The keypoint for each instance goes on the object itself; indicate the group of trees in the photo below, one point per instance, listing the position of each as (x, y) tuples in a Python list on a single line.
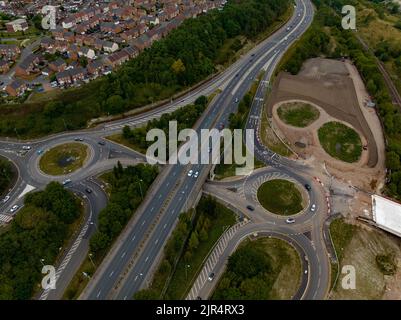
[(128, 187), (185, 117), (6, 174), (185, 239), (326, 37), (37, 232), (249, 275), (183, 58)]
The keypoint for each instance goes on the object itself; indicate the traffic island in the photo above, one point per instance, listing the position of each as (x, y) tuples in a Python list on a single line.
[(340, 141), (280, 197), (64, 159)]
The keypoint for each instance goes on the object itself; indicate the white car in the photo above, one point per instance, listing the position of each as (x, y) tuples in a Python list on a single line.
[(196, 174), (6, 198), (26, 147), (313, 208), (290, 220), (14, 208), (65, 182), (190, 173)]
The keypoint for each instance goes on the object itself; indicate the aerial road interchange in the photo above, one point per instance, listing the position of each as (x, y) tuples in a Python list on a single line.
[(133, 259)]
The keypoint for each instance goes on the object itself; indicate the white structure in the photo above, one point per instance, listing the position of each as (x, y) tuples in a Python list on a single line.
[(387, 214)]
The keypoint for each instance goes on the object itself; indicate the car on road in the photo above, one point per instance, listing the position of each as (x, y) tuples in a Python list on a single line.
[(67, 181), (102, 143), (308, 187), (78, 139), (211, 277), (250, 208), (196, 174), (306, 271), (290, 220), (14, 208), (26, 147), (40, 151), (6, 198), (313, 208), (236, 100), (88, 190), (190, 173), (252, 54)]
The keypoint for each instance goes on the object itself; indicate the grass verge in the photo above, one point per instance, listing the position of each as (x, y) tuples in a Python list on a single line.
[(298, 114)]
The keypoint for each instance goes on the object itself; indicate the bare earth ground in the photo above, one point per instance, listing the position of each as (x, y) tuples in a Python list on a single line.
[(337, 91), (370, 282)]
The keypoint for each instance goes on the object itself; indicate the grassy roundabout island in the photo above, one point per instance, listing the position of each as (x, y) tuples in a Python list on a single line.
[(266, 268), (280, 197), (340, 141), (298, 114), (64, 159)]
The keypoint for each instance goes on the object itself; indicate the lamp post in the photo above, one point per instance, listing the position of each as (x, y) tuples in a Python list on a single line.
[(90, 255), (186, 272), (140, 187)]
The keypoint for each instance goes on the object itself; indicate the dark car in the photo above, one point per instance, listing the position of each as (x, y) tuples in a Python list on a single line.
[(308, 187), (78, 139), (250, 208), (102, 143), (88, 190)]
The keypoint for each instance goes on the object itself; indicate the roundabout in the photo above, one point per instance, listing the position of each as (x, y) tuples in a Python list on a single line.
[(64, 159)]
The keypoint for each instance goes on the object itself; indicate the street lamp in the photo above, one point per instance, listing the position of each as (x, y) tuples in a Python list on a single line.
[(42, 261), (90, 255), (186, 272), (140, 188)]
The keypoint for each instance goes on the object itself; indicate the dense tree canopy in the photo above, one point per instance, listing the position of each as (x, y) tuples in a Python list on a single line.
[(37, 232)]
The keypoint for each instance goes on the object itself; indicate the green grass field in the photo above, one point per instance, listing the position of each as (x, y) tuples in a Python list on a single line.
[(280, 197), (298, 114), (340, 141), (63, 159)]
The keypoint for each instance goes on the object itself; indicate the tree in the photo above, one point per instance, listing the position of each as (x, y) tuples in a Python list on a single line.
[(178, 66)]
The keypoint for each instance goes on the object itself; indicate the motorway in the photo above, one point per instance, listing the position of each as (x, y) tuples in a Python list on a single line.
[(130, 263)]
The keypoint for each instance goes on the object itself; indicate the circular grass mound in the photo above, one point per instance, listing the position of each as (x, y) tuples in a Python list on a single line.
[(281, 197), (340, 141), (298, 114), (63, 159)]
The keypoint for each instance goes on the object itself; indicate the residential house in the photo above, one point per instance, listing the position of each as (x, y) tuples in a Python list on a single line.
[(4, 66), (17, 25), (64, 77), (16, 88), (87, 52), (27, 66), (58, 65), (95, 68), (77, 74), (109, 46), (9, 51)]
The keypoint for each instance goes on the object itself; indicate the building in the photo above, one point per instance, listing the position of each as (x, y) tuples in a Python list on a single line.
[(387, 214), (58, 65), (4, 66), (17, 25), (27, 66), (16, 88), (9, 51)]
